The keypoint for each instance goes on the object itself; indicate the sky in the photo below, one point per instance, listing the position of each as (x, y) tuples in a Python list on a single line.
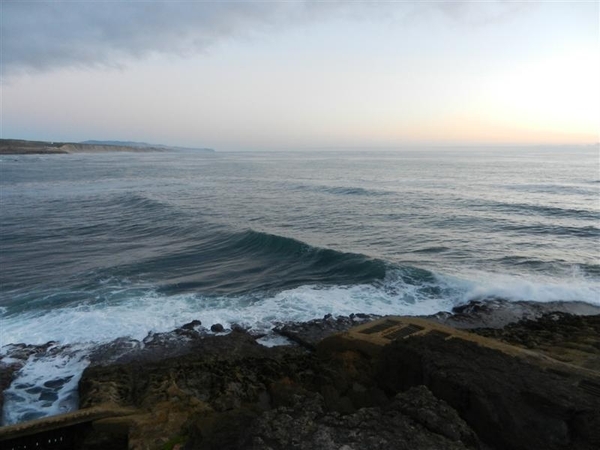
[(268, 75)]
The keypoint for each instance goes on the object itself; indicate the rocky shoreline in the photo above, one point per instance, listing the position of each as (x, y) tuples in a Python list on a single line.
[(23, 147), (194, 388)]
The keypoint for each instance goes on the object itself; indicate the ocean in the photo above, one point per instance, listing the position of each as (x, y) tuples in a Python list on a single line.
[(94, 247)]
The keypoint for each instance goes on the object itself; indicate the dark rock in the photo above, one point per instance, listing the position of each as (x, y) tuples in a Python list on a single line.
[(191, 325), (497, 313), (509, 404), (217, 328), (23, 351), (57, 382), (240, 328), (203, 391), (114, 350), (309, 334), (309, 425), (360, 316), (221, 370), (562, 336), (7, 374), (420, 405), (154, 347)]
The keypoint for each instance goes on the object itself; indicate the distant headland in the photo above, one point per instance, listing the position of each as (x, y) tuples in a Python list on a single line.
[(24, 147)]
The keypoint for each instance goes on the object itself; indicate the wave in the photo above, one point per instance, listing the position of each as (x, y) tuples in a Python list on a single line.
[(121, 204), (433, 249), (589, 231), (483, 285), (191, 258), (133, 313), (469, 223), (341, 190), (352, 191), (239, 262), (552, 266), (137, 201), (554, 189), (543, 210)]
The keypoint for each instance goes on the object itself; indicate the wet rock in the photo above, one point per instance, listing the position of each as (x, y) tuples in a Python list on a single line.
[(7, 374), (154, 347), (217, 328), (114, 350), (22, 352), (241, 328), (497, 313), (191, 325), (309, 334), (17, 355), (57, 382)]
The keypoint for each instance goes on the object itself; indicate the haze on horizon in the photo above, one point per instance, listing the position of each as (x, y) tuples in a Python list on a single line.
[(245, 75)]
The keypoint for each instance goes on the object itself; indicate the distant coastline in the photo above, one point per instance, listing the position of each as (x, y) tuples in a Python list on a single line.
[(24, 147)]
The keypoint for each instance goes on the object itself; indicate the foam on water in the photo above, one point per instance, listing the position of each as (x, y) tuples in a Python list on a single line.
[(481, 285), (47, 384), (152, 312), (149, 311)]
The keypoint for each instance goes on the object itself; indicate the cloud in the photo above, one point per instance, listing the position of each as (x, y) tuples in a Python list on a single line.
[(45, 35), (477, 14)]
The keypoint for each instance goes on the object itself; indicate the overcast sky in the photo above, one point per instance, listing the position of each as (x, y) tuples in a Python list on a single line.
[(267, 75)]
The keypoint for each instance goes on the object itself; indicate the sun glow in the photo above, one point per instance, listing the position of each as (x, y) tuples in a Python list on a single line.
[(559, 96)]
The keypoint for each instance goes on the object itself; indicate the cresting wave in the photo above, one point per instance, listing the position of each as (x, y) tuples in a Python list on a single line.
[(134, 312), (97, 247), (257, 279), (236, 263), (47, 383)]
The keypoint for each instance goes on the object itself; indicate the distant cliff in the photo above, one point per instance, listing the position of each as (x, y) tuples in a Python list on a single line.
[(146, 145), (20, 147), (23, 147)]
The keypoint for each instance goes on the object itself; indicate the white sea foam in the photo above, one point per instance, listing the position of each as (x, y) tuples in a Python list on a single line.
[(151, 311), (85, 325), (45, 386), (482, 285)]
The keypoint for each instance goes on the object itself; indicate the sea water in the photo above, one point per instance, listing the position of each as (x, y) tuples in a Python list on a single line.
[(94, 247)]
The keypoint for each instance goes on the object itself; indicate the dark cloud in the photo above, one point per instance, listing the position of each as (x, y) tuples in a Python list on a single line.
[(43, 35)]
